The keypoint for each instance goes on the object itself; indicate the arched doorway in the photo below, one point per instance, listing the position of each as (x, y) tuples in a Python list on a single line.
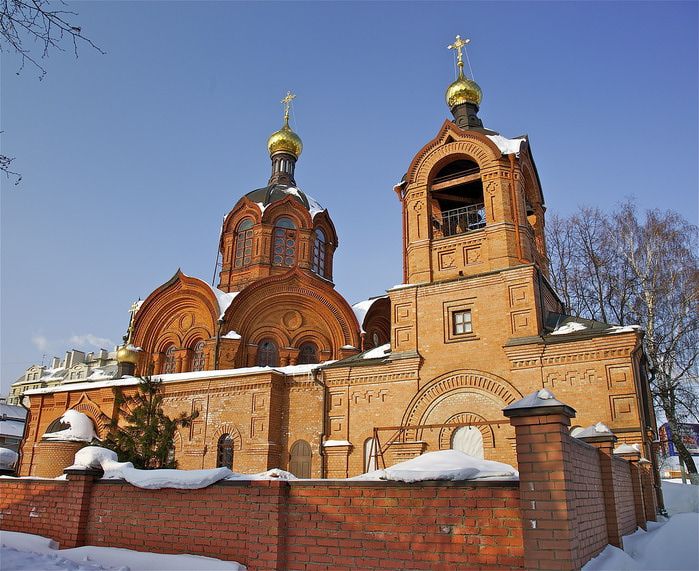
[(469, 440), (300, 460)]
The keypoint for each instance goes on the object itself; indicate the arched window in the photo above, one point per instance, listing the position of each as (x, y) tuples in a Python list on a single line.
[(284, 245), (199, 360), (267, 354), (243, 243), (469, 440), (300, 460), (308, 354), (224, 452), (319, 253), (169, 364)]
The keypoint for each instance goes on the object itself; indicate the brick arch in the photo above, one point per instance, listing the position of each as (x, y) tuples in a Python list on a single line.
[(263, 303), (228, 428), (245, 208), (474, 150), (445, 435), (290, 207), (425, 400), (180, 296), (451, 141), (94, 413)]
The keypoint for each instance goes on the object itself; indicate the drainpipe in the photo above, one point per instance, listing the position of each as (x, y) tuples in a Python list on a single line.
[(218, 343), (317, 378)]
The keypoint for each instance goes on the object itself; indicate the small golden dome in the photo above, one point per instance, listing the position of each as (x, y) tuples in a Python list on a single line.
[(128, 354), (285, 140), (463, 90)]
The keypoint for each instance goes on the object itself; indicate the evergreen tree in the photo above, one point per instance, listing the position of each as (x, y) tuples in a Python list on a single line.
[(146, 436)]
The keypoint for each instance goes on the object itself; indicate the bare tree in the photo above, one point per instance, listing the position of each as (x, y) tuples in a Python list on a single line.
[(26, 24), (619, 269)]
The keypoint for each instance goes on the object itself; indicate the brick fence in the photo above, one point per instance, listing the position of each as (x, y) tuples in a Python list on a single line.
[(573, 497)]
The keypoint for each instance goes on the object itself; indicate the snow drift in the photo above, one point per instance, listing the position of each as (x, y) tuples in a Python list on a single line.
[(442, 465)]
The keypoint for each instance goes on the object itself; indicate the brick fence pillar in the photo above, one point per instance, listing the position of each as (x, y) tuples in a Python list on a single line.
[(266, 528), (545, 480), (80, 482), (650, 498), (605, 447), (634, 459)]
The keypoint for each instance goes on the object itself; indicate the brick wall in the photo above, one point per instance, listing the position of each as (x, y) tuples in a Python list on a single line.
[(279, 525), (623, 490), (369, 525), (588, 497), (35, 506)]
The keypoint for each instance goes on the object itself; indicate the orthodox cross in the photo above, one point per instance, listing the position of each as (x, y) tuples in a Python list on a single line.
[(287, 104), (458, 45), (134, 308)]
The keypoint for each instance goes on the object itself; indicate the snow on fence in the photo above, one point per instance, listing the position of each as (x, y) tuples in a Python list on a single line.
[(572, 498)]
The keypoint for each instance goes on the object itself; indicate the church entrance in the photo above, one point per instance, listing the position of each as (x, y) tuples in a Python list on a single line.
[(300, 460)]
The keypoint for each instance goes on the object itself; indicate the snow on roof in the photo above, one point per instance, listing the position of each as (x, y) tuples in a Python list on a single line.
[(175, 377), (507, 146), (537, 399), (8, 458), (570, 327), (332, 443), (314, 207), (624, 329), (224, 299), (377, 352), (12, 411), (442, 465), (627, 449), (80, 428), (599, 429), (361, 308), (12, 428), (231, 335)]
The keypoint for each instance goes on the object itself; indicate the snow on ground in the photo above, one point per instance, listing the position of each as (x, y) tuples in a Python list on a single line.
[(26, 552), (442, 465), (671, 545), (680, 498), (668, 544), (80, 428)]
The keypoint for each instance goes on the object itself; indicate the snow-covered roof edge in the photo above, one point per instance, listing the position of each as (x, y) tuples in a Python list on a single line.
[(361, 308), (289, 371)]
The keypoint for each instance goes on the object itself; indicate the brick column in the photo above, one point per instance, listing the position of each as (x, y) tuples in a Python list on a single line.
[(545, 481), (80, 481), (266, 529), (648, 485), (605, 447), (637, 484)]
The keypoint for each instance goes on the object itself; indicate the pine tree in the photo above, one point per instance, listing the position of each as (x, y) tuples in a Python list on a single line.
[(146, 435)]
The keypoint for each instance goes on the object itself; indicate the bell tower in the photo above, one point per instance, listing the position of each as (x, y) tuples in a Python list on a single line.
[(471, 198)]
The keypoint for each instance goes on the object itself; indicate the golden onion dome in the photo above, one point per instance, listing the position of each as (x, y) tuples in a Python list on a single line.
[(285, 140), (463, 90), (128, 354)]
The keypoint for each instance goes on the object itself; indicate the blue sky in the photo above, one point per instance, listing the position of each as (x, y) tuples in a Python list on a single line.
[(130, 159)]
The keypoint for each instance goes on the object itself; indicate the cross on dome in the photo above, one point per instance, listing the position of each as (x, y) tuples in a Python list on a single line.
[(287, 104), (458, 45)]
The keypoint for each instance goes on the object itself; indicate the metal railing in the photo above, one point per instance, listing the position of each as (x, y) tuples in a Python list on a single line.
[(461, 220)]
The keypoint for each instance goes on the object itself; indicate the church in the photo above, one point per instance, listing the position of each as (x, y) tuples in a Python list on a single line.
[(284, 373)]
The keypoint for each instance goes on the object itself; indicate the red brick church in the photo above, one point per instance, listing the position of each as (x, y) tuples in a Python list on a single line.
[(285, 373)]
